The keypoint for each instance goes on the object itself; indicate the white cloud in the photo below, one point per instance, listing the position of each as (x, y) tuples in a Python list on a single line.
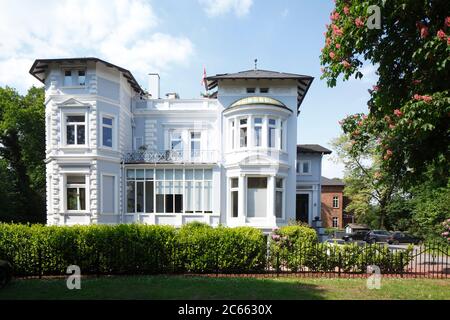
[(215, 8), (123, 32)]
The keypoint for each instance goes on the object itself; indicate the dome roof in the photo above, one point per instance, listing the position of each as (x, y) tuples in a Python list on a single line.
[(258, 100)]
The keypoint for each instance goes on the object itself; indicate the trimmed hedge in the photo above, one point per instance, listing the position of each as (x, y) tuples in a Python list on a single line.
[(131, 249)]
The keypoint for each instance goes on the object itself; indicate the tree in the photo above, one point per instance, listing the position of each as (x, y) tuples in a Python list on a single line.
[(409, 108), (368, 189), (22, 153)]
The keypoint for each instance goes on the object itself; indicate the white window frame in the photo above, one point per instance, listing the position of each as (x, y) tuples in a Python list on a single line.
[(172, 133), (76, 186), (261, 126), (232, 126), (113, 131), (233, 189), (199, 140), (116, 193), (300, 168), (283, 195), (335, 202), (275, 127), (66, 123), (246, 125)]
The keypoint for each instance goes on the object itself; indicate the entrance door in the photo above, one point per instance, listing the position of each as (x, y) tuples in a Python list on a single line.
[(302, 210)]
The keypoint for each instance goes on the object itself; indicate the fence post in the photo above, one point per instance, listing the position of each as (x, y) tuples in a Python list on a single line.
[(339, 263), (278, 264)]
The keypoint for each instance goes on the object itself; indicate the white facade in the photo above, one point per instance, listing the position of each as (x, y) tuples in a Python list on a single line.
[(118, 155)]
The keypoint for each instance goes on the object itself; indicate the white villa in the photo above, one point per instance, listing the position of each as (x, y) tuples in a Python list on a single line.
[(118, 154)]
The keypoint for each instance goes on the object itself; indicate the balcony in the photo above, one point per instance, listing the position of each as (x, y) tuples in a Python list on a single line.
[(171, 156)]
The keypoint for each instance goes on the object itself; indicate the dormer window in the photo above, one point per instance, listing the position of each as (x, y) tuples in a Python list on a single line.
[(264, 90), (251, 90)]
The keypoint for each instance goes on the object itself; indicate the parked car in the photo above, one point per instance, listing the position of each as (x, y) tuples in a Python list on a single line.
[(5, 273), (357, 235), (402, 237), (335, 241), (378, 236)]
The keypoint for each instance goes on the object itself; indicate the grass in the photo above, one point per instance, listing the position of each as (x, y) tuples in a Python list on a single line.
[(180, 287)]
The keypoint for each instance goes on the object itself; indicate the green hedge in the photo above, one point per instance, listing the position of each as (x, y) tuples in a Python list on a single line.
[(133, 249)]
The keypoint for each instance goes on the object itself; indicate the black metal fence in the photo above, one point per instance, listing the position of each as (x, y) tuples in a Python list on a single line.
[(321, 259)]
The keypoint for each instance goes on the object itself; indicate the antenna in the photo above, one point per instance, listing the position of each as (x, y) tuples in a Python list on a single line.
[(256, 64)]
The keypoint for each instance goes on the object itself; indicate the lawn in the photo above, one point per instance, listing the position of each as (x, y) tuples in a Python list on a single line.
[(180, 287)]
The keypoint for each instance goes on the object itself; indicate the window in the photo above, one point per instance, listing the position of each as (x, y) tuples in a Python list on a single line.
[(279, 197), (271, 133), (258, 132), (234, 197), (76, 193), (264, 90), (107, 132), (251, 90), (176, 141), (81, 77), (67, 78), (256, 197), (304, 167), (138, 142), (195, 144), (75, 129), (169, 190), (243, 133), (335, 222), (233, 134), (336, 202), (281, 135)]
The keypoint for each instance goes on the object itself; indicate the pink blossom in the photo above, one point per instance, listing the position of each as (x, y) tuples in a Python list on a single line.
[(335, 16), (424, 32), (417, 97), (445, 234), (332, 55), (441, 35), (360, 123), (328, 41), (417, 81), (392, 126), (346, 10), (448, 41), (338, 45), (359, 22), (365, 116), (337, 31), (346, 64), (389, 152), (355, 116), (398, 113), (447, 21), (427, 99)]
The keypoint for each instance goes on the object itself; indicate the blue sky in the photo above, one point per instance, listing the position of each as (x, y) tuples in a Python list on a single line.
[(177, 38)]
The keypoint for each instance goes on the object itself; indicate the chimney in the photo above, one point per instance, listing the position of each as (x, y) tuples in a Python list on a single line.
[(172, 95), (153, 85)]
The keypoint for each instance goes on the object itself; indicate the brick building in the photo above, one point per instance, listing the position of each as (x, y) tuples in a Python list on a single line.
[(333, 204)]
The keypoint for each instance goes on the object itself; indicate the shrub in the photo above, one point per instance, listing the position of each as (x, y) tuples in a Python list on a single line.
[(130, 249)]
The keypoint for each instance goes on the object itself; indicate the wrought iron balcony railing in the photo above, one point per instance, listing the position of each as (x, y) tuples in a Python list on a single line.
[(171, 156)]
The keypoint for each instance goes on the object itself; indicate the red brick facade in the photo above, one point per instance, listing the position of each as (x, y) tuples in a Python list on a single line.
[(328, 211)]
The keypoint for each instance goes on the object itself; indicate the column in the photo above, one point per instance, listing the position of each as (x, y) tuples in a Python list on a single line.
[(242, 195), (271, 217)]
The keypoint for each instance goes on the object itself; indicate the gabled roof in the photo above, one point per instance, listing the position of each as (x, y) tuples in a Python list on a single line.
[(303, 81), (332, 182), (40, 66), (312, 148)]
